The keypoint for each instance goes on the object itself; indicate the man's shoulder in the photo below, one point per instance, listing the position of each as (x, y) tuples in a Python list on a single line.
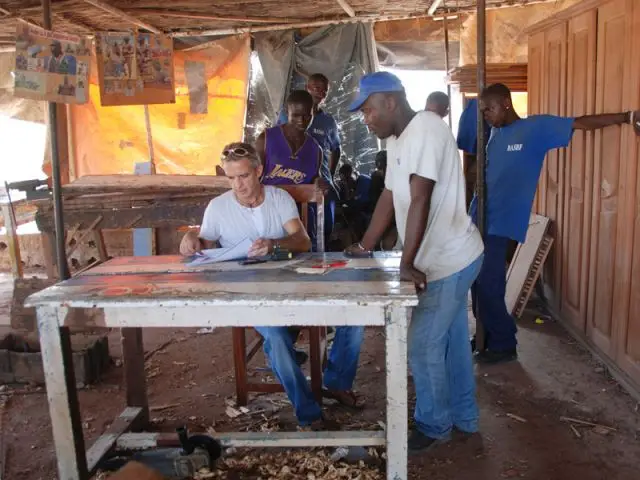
[(276, 194), (226, 198)]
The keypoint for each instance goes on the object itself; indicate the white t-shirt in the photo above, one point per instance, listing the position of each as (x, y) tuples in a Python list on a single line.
[(228, 223), (427, 148)]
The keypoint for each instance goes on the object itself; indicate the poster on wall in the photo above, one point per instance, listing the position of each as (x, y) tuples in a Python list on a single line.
[(51, 66), (135, 69)]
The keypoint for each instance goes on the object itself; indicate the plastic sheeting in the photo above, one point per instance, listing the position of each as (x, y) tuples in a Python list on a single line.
[(188, 136), (344, 53)]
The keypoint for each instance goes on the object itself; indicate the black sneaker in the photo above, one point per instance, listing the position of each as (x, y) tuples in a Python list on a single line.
[(491, 357), (419, 442)]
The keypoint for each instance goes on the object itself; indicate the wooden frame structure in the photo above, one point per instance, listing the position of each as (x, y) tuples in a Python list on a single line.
[(136, 293)]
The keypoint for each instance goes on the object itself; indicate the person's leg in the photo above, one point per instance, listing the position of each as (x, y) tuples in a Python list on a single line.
[(342, 363), (490, 286), (428, 337), (462, 385), (278, 346), (329, 220)]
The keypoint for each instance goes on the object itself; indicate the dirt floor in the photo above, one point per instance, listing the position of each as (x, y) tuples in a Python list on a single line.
[(190, 376)]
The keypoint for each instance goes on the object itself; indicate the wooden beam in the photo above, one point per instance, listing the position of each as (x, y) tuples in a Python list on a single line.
[(116, 12), (347, 8), (288, 26), (434, 6), (202, 16)]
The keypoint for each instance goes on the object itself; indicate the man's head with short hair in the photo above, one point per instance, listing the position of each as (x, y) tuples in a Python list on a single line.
[(243, 168), (438, 103), (495, 104), (318, 86), (383, 102), (300, 109)]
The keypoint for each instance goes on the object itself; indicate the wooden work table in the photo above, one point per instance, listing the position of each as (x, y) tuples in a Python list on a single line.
[(162, 291)]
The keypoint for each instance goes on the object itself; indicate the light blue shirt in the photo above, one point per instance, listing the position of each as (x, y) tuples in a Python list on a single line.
[(515, 155)]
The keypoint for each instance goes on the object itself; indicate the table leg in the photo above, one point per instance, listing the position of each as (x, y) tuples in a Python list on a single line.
[(397, 420), (55, 344), (134, 375)]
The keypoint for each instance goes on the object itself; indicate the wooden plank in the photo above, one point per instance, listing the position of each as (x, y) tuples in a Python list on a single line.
[(239, 341), (108, 439), (12, 240), (90, 230), (237, 316), (532, 277), (614, 29), (134, 375), (581, 80), (143, 441), (61, 392), (523, 259), (125, 183), (397, 322), (122, 15)]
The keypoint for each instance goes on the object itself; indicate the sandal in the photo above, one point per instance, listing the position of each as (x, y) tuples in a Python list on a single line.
[(346, 398)]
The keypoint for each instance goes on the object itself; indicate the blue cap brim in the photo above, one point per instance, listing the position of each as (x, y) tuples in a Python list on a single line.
[(358, 102)]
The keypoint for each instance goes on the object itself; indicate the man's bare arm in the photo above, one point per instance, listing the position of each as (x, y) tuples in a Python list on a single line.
[(595, 122), (421, 189), (297, 239), (261, 145), (334, 158)]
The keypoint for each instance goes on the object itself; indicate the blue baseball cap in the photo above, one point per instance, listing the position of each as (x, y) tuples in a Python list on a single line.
[(378, 82)]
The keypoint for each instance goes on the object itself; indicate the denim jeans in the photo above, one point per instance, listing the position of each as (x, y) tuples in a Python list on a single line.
[(339, 374), (489, 290), (440, 357)]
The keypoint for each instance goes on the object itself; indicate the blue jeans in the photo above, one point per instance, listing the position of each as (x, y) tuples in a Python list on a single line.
[(488, 294), (339, 374), (440, 357)]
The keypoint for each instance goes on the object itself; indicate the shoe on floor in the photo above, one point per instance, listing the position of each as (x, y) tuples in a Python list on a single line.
[(419, 442), (491, 357), (301, 357)]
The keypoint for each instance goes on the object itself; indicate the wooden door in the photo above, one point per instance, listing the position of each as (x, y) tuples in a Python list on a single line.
[(535, 87), (578, 169), (627, 323), (554, 103), (613, 26)]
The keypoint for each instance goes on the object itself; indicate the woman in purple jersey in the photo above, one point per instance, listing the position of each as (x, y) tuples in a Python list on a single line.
[(290, 156)]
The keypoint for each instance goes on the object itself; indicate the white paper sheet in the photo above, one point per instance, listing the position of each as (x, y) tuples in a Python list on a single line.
[(215, 255)]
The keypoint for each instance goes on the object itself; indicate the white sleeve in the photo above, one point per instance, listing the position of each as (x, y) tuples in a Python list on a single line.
[(210, 228), (286, 206), (427, 152)]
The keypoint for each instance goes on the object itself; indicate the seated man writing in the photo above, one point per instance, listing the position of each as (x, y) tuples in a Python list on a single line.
[(268, 216)]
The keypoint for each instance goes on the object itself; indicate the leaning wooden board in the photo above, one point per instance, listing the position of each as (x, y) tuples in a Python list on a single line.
[(527, 264)]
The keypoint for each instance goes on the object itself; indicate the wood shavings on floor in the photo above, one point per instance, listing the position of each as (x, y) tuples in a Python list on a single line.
[(289, 465)]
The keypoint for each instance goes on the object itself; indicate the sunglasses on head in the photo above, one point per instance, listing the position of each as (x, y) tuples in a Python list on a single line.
[(236, 152)]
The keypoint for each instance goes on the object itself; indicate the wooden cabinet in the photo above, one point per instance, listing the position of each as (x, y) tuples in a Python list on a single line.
[(591, 64)]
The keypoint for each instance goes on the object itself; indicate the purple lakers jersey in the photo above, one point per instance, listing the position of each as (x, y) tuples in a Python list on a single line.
[(284, 167)]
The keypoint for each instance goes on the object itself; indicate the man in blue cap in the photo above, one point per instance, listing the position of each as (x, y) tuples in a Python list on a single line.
[(424, 190)]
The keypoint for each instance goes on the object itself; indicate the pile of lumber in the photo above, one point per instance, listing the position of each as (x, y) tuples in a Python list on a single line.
[(513, 75)]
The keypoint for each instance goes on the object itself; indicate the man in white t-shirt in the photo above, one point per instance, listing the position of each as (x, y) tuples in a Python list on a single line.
[(442, 253), (269, 217)]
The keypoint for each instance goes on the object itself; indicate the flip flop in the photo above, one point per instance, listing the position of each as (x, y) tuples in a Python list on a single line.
[(346, 398)]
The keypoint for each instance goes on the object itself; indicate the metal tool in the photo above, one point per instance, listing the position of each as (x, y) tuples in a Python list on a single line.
[(195, 453)]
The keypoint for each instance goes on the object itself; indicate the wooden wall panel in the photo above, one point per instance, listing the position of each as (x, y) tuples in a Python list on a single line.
[(581, 79), (535, 76), (628, 331), (612, 33), (554, 103)]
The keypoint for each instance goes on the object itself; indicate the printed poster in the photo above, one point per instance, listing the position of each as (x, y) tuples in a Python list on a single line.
[(51, 66), (135, 68)]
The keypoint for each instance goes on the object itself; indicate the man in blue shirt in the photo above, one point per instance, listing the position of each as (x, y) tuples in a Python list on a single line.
[(324, 129), (515, 154)]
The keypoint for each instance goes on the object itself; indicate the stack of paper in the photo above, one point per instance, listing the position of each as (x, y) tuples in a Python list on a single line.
[(216, 255)]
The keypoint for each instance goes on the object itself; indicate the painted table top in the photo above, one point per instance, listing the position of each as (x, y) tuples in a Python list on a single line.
[(167, 281)]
